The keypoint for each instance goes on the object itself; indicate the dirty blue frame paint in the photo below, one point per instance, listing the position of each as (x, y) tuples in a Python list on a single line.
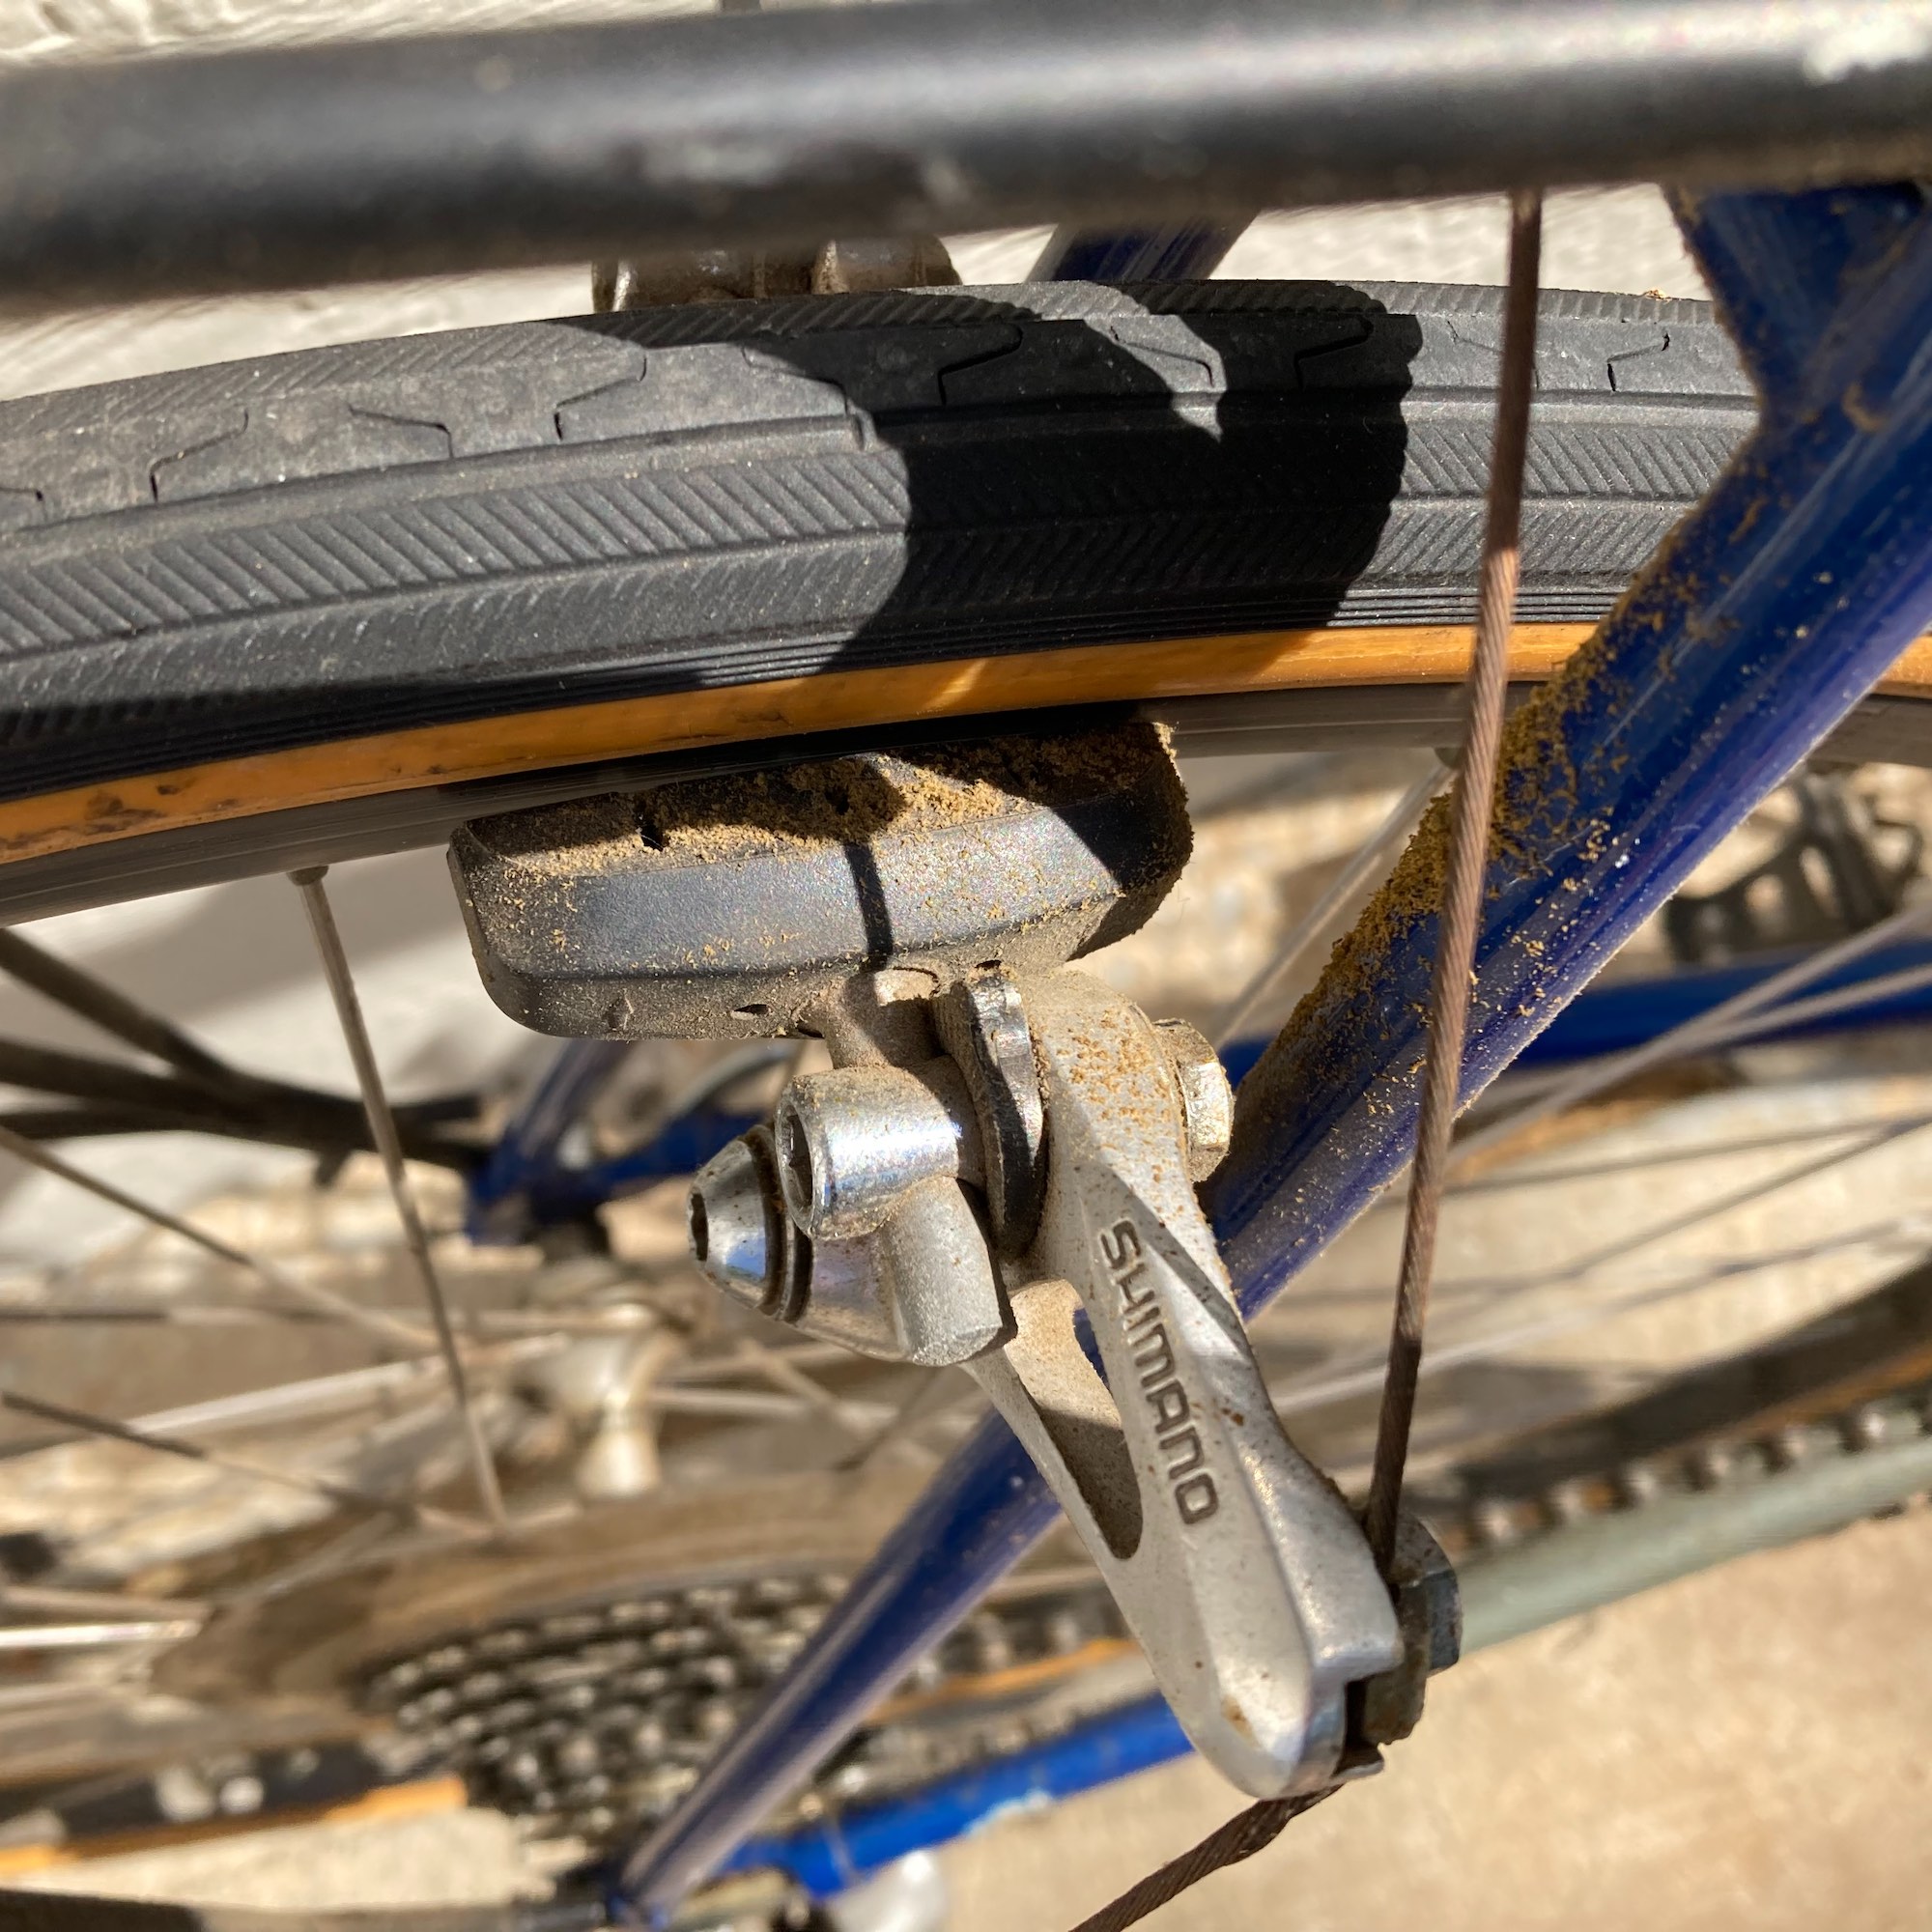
[(830, 1854), (1186, 254), (1774, 606), (530, 1157)]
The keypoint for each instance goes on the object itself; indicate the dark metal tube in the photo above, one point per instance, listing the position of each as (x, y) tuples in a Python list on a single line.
[(1189, 252), (265, 169)]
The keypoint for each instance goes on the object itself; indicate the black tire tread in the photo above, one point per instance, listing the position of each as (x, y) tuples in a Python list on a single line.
[(231, 559)]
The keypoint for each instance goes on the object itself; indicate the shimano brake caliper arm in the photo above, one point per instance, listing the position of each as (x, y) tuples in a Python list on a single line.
[(1237, 1563)]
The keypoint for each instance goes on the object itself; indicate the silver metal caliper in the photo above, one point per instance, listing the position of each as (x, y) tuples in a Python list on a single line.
[(998, 1170)]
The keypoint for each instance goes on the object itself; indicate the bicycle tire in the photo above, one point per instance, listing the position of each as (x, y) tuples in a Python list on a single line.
[(365, 568)]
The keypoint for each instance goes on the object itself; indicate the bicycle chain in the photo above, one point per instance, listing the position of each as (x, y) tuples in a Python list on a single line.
[(1467, 1528), (596, 1721)]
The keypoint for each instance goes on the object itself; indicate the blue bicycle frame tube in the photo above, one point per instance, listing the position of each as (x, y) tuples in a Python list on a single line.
[(834, 1852), (1183, 254), (1772, 610), (527, 1155)]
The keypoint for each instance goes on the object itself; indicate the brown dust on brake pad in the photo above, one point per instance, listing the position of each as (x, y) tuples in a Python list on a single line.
[(725, 907)]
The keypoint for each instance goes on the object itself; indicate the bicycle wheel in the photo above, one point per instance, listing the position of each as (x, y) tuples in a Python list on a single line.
[(334, 603)]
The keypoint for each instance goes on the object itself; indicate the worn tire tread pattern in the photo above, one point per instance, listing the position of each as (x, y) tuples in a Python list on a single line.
[(229, 560)]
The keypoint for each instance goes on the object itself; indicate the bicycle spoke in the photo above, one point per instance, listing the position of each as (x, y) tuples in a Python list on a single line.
[(1743, 1197), (744, 1404), (935, 1393), (1697, 1040), (1364, 1375), (315, 1396), (36, 1697), (506, 1323), (48, 1600), (1650, 1157), (1825, 1005), (1700, 1032), (788, 1376), (339, 1494), (149, 1315), (1360, 870), (392, 1333), (354, 1548), (18, 1639), (382, 1126), (1622, 1249), (799, 1354), (112, 1011), (242, 1107)]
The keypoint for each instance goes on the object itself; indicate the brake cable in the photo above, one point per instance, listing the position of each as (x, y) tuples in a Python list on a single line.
[(1471, 810)]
